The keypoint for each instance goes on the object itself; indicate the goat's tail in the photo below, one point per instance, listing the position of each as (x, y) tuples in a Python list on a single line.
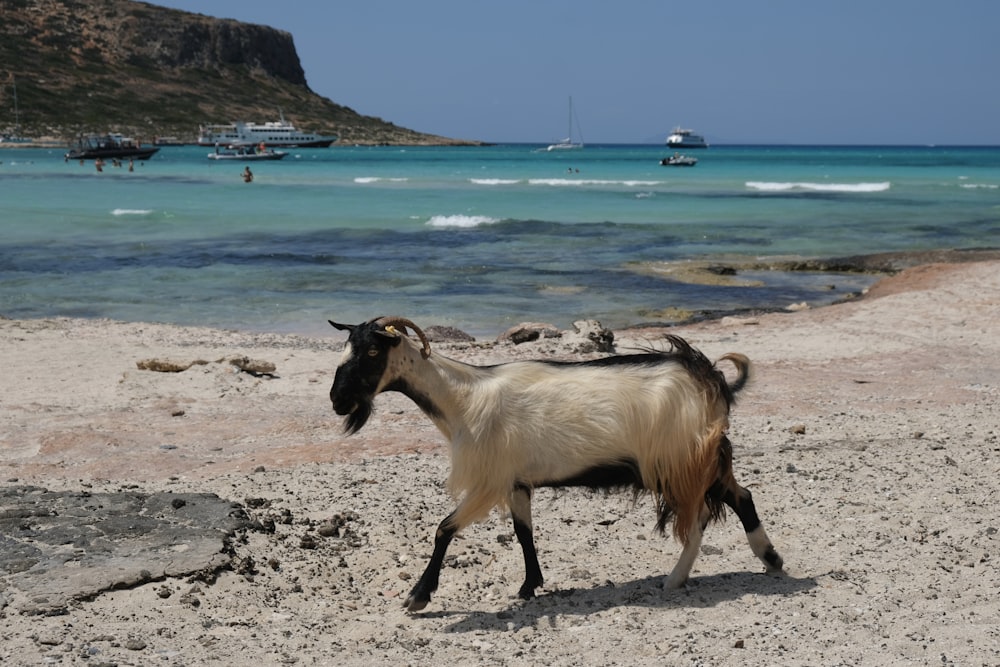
[(742, 364)]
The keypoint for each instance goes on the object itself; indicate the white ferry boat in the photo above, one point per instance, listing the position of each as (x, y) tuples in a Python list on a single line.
[(681, 138), (278, 133)]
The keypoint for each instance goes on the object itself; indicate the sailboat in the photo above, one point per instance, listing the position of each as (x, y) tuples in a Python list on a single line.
[(568, 143)]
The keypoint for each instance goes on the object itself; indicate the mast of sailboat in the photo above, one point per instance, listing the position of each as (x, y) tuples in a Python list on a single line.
[(569, 127), (569, 122), (579, 132)]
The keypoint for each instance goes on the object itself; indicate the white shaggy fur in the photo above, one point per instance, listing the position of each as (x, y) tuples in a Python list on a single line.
[(529, 422)]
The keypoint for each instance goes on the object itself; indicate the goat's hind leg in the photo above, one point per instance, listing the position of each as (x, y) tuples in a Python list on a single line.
[(420, 595), (520, 512), (741, 502), (727, 490)]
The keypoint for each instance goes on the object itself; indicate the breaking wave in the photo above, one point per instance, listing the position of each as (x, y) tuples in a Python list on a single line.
[(461, 221), (494, 181), (576, 182), (132, 211), (376, 179), (766, 186)]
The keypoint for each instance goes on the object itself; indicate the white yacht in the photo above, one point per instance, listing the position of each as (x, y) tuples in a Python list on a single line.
[(681, 138), (278, 133)]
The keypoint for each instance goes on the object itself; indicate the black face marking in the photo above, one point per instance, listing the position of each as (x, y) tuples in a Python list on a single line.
[(356, 381)]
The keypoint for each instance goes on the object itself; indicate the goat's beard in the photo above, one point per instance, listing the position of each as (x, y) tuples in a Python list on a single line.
[(358, 417)]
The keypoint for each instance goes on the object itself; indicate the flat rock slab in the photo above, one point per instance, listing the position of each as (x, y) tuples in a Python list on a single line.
[(56, 547)]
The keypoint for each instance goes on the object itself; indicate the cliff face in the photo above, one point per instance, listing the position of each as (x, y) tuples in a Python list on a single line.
[(201, 43), (100, 65)]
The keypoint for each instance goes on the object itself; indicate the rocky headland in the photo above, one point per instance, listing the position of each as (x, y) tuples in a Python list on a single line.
[(145, 71)]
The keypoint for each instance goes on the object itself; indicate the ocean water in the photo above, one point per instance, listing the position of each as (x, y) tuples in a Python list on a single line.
[(477, 238)]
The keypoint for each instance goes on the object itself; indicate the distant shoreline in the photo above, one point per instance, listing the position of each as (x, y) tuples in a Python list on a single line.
[(34, 143), (53, 142), (49, 142)]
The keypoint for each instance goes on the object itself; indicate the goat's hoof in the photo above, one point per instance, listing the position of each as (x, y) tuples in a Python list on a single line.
[(526, 593), (527, 590), (773, 560), (412, 604)]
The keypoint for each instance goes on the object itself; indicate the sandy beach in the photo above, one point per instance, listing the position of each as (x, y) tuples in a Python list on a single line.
[(870, 438)]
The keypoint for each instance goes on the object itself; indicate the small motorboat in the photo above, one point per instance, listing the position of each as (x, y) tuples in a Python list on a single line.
[(678, 160), (246, 153)]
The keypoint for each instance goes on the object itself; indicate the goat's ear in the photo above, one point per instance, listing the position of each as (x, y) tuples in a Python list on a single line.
[(341, 327)]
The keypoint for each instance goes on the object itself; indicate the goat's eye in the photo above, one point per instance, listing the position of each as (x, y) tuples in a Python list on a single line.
[(373, 351)]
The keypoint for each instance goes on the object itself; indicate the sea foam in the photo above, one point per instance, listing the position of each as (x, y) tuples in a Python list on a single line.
[(766, 186), (577, 182), (494, 181), (132, 211), (461, 221), (376, 179)]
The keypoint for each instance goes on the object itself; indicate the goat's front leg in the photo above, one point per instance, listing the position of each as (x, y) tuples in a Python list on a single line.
[(420, 595), (679, 575), (520, 511)]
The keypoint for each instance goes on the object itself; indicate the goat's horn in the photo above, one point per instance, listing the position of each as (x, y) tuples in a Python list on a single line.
[(386, 322)]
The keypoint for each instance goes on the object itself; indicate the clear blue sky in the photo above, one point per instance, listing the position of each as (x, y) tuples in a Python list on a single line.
[(739, 71)]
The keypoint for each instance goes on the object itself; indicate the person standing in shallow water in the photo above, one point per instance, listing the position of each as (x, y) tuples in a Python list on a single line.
[(247, 174)]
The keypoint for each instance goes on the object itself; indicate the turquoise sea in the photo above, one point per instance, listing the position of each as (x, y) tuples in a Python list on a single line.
[(478, 238)]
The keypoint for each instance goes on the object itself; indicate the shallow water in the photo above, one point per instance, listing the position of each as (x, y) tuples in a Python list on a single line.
[(478, 238)]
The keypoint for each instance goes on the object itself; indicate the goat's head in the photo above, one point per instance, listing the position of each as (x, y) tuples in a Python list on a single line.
[(362, 372)]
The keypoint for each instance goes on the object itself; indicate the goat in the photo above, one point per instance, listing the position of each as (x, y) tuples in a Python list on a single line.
[(653, 421)]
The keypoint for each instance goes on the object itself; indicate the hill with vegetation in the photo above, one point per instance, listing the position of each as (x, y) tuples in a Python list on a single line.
[(94, 66)]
